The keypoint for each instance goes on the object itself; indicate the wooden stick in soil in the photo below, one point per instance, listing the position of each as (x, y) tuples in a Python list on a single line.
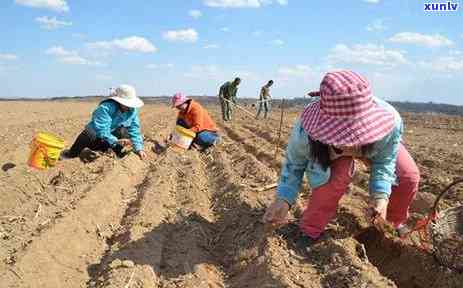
[(241, 108), (281, 125), (39, 208), (267, 187)]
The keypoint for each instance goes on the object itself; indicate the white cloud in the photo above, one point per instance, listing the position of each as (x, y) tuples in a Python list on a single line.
[(376, 26), (446, 64), (133, 44), (225, 29), (55, 5), (295, 71), (195, 14), (277, 42), (51, 23), (211, 46), (427, 40), (372, 1), (8, 57), (204, 72), (366, 54), (186, 35), (160, 66), (243, 3), (59, 51), (69, 56)]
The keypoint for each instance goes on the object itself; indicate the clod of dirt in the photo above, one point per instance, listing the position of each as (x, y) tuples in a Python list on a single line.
[(115, 264), (423, 202), (406, 265), (343, 264), (8, 166), (158, 148), (58, 179), (128, 264)]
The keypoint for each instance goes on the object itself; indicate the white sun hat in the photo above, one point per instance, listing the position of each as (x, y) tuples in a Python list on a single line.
[(127, 96)]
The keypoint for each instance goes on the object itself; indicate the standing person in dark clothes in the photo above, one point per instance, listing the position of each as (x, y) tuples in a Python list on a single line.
[(115, 124), (227, 94), (264, 100)]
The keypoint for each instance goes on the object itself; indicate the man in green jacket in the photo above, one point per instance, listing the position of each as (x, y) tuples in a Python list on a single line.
[(227, 94)]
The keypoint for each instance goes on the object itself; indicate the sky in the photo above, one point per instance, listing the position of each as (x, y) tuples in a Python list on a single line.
[(54, 48)]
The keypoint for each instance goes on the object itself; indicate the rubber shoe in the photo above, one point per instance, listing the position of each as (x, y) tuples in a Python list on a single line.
[(218, 141), (304, 244), (290, 231), (65, 155), (87, 155)]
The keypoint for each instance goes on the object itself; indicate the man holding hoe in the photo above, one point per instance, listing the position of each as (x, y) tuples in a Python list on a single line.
[(227, 96)]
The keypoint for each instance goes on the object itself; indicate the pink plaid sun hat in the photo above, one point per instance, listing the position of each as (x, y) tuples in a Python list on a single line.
[(346, 114), (178, 99)]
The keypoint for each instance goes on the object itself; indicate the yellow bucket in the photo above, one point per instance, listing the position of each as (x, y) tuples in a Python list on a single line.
[(45, 151), (183, 137)]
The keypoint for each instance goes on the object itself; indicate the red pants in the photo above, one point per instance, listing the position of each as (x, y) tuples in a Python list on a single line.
[(324, 200)]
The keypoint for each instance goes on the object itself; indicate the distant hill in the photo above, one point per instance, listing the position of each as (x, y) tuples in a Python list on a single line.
[(401, 106), (429, 107)]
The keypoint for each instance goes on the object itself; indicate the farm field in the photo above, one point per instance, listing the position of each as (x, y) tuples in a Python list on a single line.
[(194, 220)]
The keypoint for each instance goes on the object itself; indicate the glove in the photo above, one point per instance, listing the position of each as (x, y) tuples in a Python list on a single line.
[(117, 148)]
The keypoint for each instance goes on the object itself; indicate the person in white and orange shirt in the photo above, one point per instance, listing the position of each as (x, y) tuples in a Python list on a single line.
[(193, 116)]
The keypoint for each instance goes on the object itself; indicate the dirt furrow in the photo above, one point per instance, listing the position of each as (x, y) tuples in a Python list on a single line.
[(166, 241), (60, 255)]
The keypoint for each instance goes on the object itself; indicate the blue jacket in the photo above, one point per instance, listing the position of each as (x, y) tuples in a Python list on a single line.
[(107, 118), (299, 162)]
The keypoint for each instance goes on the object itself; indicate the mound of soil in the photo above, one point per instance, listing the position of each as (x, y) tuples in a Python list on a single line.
[(194, 220)]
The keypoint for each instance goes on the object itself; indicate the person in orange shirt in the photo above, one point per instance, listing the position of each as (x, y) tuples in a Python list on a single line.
[(194, 117)]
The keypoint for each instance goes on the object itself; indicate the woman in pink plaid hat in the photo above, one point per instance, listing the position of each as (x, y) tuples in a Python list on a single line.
[(347, 122)]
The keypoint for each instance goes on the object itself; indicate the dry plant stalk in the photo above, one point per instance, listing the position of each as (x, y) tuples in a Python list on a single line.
[(39, 208), (130, 280)]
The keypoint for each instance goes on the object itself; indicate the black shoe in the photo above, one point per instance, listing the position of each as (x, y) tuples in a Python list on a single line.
[(290, 231), (304, 244), (65, 155), (296, 239), (87, 155)]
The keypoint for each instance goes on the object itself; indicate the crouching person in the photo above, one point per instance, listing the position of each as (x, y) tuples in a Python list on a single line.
[(194, 117), (115, 124), (347, 122)]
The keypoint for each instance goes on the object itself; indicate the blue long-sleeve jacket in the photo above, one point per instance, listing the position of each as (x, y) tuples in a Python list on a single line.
[(107, 118), (299, 162)]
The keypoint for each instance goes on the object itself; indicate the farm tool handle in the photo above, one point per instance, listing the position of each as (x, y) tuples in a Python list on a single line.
[(447, 189)]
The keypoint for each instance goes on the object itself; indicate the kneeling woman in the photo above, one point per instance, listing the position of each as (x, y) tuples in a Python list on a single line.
[(347, 122), (114, 125), (194, 117)]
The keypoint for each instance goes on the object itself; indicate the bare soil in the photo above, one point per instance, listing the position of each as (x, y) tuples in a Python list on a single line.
[(192, 219)]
